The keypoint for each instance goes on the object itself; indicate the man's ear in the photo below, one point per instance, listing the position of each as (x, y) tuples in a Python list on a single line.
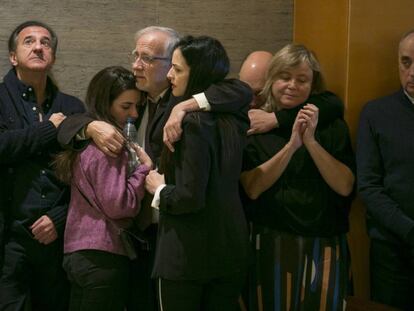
[(13, 59)]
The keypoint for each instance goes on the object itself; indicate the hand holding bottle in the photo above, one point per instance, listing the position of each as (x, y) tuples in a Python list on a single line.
[(130, 133), (142, 155)]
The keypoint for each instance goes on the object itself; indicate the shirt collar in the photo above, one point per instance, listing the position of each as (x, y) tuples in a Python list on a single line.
[(28, 94), (157, 99), (409, 97), (26, 91)]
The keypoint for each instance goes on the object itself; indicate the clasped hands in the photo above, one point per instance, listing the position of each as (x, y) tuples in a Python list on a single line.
[(303, 130)]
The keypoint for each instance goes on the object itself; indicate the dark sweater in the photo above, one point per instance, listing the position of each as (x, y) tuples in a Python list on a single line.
[(29, 188), (301, 202), (385, 163)]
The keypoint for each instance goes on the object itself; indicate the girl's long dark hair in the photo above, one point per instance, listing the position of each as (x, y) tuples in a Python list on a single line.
[(209, 64), (103, 89)]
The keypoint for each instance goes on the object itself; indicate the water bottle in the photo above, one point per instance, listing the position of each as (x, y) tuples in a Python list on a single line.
[(130, 133)]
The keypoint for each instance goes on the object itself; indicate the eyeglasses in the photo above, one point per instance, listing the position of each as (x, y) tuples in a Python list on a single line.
[(145, 59)]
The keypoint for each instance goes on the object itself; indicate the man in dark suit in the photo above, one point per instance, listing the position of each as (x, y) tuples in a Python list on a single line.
[(151, 60), (385, 165), (33, 202)]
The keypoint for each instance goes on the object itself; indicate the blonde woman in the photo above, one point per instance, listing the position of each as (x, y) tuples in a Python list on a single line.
[(300, 182)]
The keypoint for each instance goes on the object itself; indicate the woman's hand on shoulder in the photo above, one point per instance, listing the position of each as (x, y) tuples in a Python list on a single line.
[(173, 128)]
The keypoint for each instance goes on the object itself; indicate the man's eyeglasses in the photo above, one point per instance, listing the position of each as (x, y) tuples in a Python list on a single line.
[(145, 59)]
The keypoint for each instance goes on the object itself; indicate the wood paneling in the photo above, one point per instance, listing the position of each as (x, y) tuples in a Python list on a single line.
[(322, 26)]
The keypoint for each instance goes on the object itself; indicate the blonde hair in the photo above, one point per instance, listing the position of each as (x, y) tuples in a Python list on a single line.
[(287, 58)]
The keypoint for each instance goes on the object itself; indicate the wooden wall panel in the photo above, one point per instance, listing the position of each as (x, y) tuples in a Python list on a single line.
[(322, 26)]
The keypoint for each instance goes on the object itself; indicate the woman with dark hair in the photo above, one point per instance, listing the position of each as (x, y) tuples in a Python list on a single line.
[(201, 253), (104, 198), (301, 182)]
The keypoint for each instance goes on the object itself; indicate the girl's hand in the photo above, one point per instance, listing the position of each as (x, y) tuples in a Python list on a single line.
[(142, 155)]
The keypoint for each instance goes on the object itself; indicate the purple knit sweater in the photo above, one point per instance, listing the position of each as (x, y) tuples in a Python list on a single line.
[(103, 180)]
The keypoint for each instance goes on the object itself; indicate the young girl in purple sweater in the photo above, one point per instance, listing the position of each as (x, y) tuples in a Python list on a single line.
[(104, 198)]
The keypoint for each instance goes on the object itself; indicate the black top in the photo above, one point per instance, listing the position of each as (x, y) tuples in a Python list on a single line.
[(202, 227), (29, 188), (385, 161), (301, 202)]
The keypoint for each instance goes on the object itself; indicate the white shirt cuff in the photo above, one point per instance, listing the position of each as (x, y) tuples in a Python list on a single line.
[(202, 101), (156, 200)]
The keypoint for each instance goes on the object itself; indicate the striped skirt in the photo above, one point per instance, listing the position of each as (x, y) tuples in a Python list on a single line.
[(299, 273)]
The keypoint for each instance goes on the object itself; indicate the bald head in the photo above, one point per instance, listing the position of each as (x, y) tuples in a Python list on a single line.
[(253, 72), (406, 62)]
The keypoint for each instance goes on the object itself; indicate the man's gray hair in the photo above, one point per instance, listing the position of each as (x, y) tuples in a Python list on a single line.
[(173, 36)]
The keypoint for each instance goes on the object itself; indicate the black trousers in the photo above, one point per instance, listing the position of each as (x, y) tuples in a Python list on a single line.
[(143, 295), (392, 274), (99, 280), (219, 294), (32, 276)]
